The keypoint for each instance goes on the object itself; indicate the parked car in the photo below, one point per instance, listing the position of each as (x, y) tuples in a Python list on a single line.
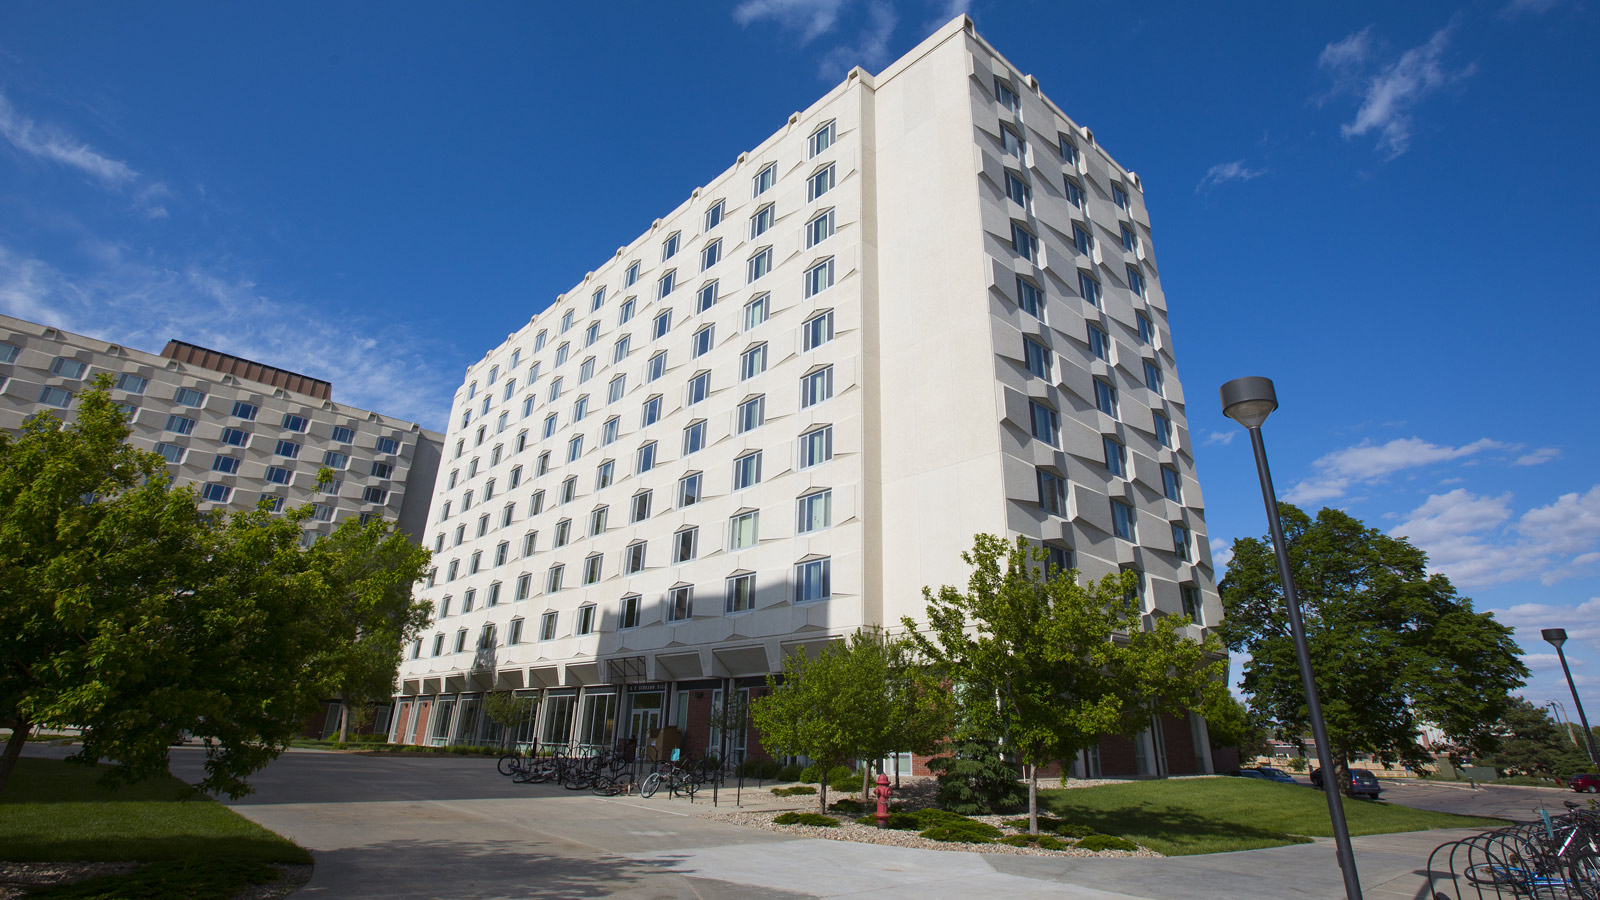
[(1362, 783), (1583, 783), (1276, 774), (1246, 773)]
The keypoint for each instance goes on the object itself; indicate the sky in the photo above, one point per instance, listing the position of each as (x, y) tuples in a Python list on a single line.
[(1389, 209)]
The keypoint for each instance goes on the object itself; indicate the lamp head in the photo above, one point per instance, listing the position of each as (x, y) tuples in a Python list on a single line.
[(1555, 636), (1249, 400)]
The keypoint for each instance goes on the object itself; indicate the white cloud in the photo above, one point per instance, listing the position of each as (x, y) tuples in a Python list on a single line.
[(53, 145), (372, 364), (1517, 8), (1537, 457), (1477, 540), (1222, 556), (811, 18), (1582, 623), (1222, 438), (1336, 472), (871, 49), (1221, 173), (1542, 660), (867, 44), (1389, 92)]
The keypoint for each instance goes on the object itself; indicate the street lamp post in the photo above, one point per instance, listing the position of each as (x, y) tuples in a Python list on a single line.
[(1249, 401), (1556, 637)]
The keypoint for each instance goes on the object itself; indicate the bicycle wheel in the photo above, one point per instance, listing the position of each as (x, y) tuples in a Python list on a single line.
[(614, 785), (652, 783), (509, 764), (1583, 876), (1494, 873)]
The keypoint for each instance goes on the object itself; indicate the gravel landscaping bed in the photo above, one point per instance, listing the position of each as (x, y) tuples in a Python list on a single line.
[(848, 830)]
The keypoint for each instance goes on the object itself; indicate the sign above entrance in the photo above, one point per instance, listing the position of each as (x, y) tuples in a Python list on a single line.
[(647, 687)]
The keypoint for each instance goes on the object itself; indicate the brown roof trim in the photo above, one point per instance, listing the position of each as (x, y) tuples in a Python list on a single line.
[(252, 371)]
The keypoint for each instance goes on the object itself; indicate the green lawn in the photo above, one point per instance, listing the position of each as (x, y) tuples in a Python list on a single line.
[(54, 811), (1215, 815)]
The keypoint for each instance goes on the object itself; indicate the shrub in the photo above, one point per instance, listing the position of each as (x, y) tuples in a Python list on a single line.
[(1099, 842), (898, 821), (1042, 841), (798, 790), (839, 778), (1073, 831), (930, 817), (964, 832), (808, 818), (847, 805), (790, 772), (975, 781), (1046, 823)]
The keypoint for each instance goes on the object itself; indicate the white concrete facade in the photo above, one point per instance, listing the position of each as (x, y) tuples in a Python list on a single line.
[(236, 439), (950, 186)]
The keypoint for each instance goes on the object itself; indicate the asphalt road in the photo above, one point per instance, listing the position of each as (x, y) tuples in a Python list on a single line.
[(397, 828)]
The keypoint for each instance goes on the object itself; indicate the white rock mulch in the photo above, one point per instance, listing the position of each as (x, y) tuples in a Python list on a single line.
[(866, 834)]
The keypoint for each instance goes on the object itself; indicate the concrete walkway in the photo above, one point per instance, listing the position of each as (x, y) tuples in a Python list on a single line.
[(398, 828)]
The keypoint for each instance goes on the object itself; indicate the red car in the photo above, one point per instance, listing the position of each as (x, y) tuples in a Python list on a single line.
[(1581, 783)]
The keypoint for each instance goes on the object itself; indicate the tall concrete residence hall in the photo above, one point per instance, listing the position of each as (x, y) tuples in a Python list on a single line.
[(239, 431), (927, 307)]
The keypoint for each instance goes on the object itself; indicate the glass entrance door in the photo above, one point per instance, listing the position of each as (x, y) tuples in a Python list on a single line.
[(644, 723)]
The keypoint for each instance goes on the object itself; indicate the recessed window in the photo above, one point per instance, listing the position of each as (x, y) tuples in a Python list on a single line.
[(816, 447), (575, 448), (538, 344), (819, 277), (293, 422), (529, 542), (172, 453), (71, 368), (657, 366), (761, 221), (563, 534), (1029, 298), (819, 229), (820, 140), (757, 310), (8, 352), (741, 593), (765, 179), (669, 247), (1171, 484), (816, 387), (569, 489), (1024, 243), (747, 470), (819, 183), (547, 627), (502, 552), (650, 412), (1105, 397), (710, 255), (249, 411), (706, 298), (228, 465), (684, 544), (288, 449), (566, 325), (694, 437), (624, 314), (1074, 192), (666, 284), (514, 635), (812, 580), (631, 276), (1099, 342), (541, 466), (714, 214), (1136, 281), (591, 575), (555, 389), (1057, 559), (175, 423), (645, 459), (1037, 356), (633, 558), (1069, 151), (753, 362), (1046, 423), (743, 530), (1011, 142), (1192, 605), (1152, 377), (680, 603), (438, 644), (235, 437), (1052, 493), (703, 341), (591, 334), (699, 387), (562, 352), (1130, 241), (604, 474), (1163, 429), (1180, 542), (628, 612), (1122, 521), (616, 388), (689, 492), (1147, 329), (751, 414), (815, 512), (1017, 190), (1007, 97), (817, 330), (1119, 197), (216, 493), (586, 619), (476, 565), (1116, 457), (758, 265), (381, 470), (550, 425), (662, 324), (1081, 240), (619, 351), (553, 579), (639, 508)]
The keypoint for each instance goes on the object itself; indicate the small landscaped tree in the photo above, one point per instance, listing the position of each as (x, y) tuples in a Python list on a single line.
[(1048, 666), (509, 711)]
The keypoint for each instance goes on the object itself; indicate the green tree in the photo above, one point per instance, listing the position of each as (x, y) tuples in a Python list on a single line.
[(1049, 665), (860, 698), (1391, 645), (133, 615), (509, 711), (1231, 723), (1532, 744)]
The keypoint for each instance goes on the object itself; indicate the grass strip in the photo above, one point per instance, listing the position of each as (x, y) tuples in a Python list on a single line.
[(1217, 815), (52, 811), (210, 879)]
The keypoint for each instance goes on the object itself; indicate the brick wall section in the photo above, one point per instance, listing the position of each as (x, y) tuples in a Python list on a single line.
[(1181, 756), (753, 748), (419, 728), (1225, 759), (1117, 758), (698, 728)]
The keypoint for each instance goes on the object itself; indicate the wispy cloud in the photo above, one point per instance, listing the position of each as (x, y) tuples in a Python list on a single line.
[(871, 49), (1220, 438), (1221, 556), (862, 29), (1479, 540), (1222, 173), (810, 18), (1518, 8), (376, 365), (1367, 462), (1389, 91), (50, 144), (1537, 457), (1582, 622)]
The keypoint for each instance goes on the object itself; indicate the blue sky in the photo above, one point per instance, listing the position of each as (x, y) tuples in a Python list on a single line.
[(1387, 208)]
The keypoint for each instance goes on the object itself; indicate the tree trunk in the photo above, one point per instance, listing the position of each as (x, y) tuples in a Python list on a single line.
[(344, 720), (19, 737), (822, 796), (1341, 771), (1033, 799), (866, 776)]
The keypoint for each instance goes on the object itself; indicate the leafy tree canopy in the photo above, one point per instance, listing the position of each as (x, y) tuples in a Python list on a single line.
[(1391, 645), (133, 615), (1531, 743)]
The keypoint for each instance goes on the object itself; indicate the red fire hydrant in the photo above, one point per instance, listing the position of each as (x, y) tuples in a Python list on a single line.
[(883, 800)]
